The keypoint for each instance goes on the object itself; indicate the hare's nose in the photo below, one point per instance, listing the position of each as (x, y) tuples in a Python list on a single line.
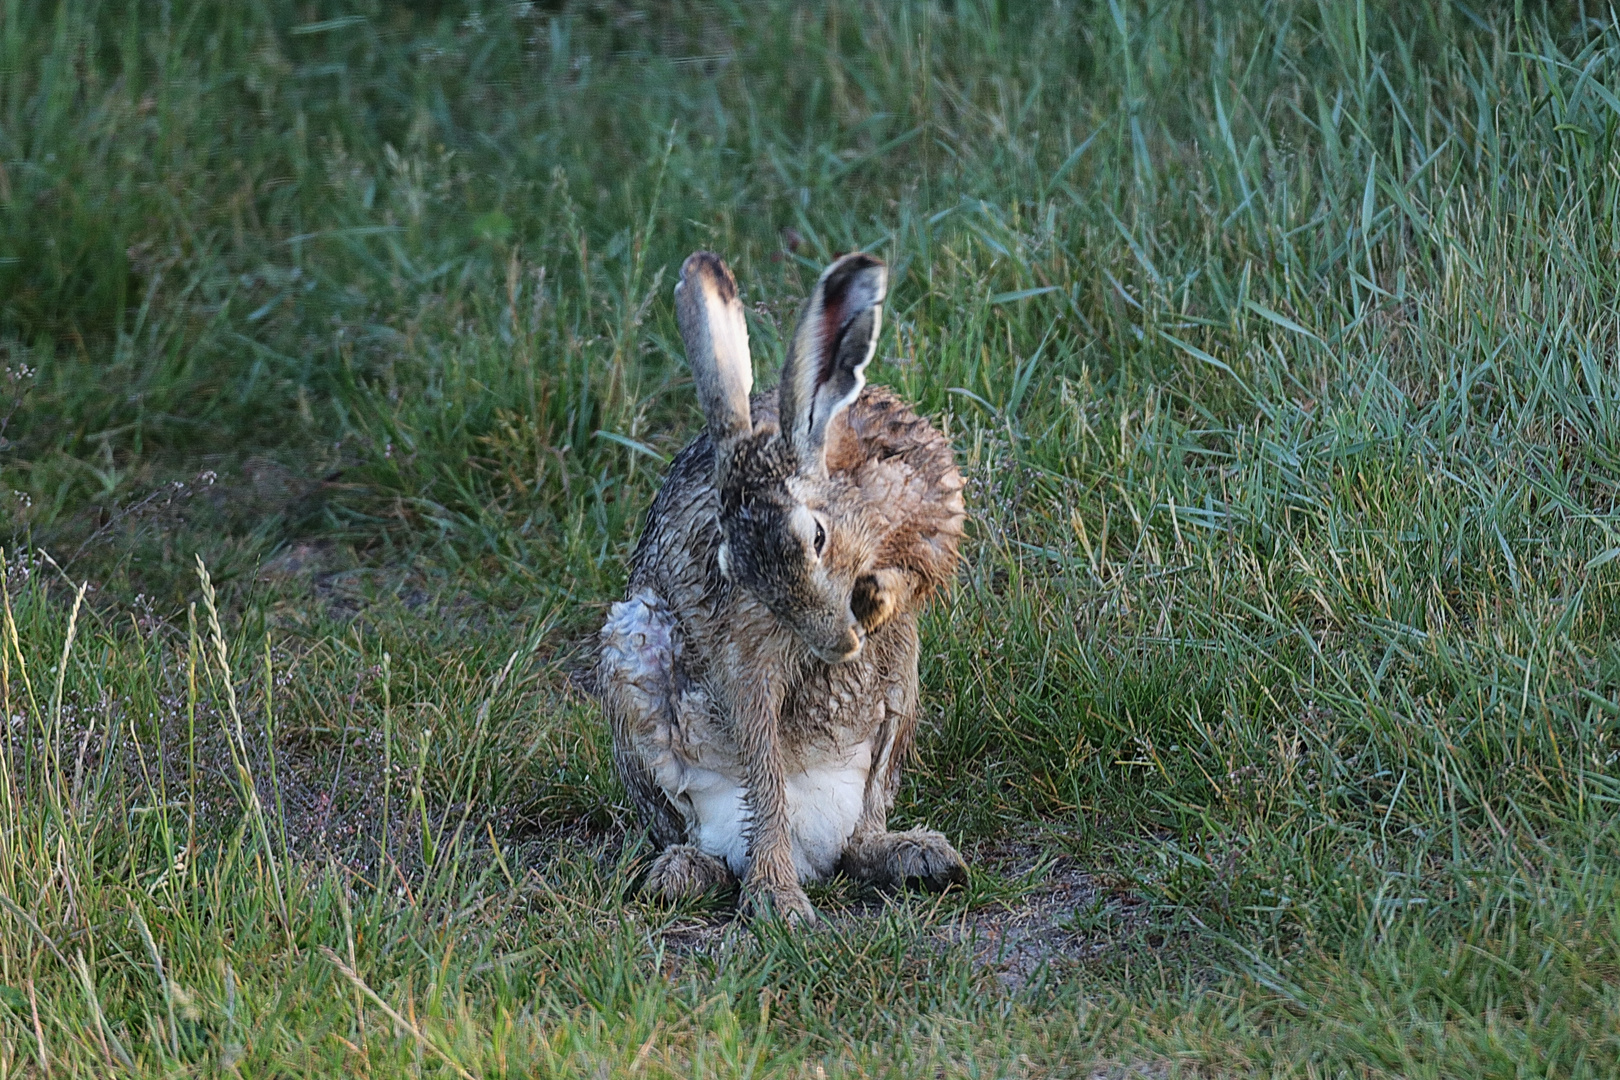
[(846, 649)]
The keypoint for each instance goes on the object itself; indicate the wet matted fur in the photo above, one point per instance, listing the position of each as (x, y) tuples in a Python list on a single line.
[(760, 677)]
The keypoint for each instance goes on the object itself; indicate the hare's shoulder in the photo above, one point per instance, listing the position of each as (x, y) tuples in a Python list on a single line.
[(677, 553)]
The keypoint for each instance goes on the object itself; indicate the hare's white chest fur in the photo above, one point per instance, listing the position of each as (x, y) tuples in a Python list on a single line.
[(693, 757), (824, 802)]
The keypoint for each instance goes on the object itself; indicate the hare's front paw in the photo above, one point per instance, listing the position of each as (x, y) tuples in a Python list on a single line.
[(788, 902), (877, 597), (917, 857), (682, 871)]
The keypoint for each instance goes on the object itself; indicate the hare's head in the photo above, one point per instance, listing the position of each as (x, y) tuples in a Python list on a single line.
[(793, 535)]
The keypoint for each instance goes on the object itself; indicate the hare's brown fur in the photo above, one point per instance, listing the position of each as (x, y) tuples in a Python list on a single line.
[(740, 748)]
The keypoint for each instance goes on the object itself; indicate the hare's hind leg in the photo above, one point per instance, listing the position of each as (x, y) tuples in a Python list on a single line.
[(682, 871), (893, 860), (874, 855)]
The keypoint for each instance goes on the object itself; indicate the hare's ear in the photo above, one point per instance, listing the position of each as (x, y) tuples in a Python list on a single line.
[(716, 337), (827, 358)]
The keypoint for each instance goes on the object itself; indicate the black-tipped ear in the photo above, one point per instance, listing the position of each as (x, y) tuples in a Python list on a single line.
[(827, 358), (716, 336)]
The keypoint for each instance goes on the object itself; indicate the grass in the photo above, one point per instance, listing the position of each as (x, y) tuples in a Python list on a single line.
[(1277, 706)]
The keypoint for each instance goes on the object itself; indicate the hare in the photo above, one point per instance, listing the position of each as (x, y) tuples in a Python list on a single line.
[(761, 677)]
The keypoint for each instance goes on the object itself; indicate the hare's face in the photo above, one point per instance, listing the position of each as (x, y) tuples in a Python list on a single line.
[(788, 543), (786, 540)]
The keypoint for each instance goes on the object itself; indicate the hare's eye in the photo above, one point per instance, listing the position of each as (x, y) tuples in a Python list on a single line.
[(821, 539)]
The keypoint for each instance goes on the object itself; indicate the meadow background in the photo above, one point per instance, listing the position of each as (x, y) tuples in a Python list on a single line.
[(1277, 706)]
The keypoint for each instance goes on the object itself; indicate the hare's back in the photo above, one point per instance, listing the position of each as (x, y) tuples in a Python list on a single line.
[(907, 475)]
